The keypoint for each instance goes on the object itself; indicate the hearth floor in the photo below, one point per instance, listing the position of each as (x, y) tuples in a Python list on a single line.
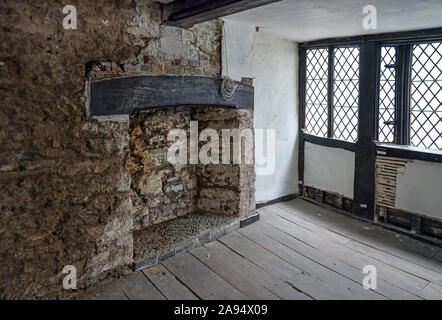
[(163, 240), (297, 250)]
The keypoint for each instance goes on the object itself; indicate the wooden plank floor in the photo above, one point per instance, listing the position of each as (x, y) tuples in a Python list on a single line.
[(297, 250)]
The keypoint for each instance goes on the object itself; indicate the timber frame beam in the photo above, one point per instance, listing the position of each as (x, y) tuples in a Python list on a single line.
[(123, 96), (186, 13)]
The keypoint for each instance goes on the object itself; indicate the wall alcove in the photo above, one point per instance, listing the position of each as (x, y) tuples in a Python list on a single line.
[(178, 207)]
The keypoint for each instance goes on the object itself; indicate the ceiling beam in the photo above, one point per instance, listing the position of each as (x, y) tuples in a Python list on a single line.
[(186, 13)]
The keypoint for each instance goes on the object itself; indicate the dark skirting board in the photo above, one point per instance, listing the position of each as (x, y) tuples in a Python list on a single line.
[(127, 95)]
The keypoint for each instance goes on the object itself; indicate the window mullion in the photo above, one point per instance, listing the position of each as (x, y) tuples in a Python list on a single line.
[(404, 84), (330, 92), (378, 81), (398, 134), (406, 94)]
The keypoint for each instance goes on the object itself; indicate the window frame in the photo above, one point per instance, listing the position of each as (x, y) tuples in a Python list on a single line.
[(327, 135), (330, 88), (404, 69), (404, 42)]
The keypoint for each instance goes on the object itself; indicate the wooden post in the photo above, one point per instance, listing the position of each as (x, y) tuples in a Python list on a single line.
[(364, 183)]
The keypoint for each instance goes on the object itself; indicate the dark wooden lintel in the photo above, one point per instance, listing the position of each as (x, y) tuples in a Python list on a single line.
[(186, 13), (127, 95)]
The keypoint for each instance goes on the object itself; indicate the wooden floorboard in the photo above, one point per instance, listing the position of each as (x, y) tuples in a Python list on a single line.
[(380, 246), (431, 268), (205, 283), (397, 277), (266, 279), (168, 284), (109, 291), (138, 287), (298, 250), (226, 268), (405, 247), (412, 268), (287, 272), (432, 291), (335, 281), (408, 282), (384, 288), (438, 256)]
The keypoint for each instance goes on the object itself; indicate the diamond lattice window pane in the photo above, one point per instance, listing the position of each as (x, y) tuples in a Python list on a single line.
[(426, 96), (316, 99), (346, 93), (387, 95)]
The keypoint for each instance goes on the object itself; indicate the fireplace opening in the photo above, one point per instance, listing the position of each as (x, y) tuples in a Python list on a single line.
[(177, 206)]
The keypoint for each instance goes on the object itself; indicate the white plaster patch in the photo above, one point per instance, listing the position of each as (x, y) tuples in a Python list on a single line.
[(419, 188), (237, 50), (329, 169)]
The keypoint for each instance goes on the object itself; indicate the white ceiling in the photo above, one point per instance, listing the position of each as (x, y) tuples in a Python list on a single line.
[(306, 20)]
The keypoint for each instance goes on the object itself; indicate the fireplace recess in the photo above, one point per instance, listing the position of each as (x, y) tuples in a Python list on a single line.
[(178, 207)]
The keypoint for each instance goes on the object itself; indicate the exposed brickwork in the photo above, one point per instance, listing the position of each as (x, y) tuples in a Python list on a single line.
[(431, 227), (347, 204), (330, 198), (398, 217), (407, 220), (333, 199), (387, 169), (410, 221)]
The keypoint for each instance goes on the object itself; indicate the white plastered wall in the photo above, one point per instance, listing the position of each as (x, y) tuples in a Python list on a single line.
[(419, 188), (329, 169), (272, 62)]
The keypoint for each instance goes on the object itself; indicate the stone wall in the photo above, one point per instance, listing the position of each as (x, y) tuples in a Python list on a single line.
[(64, 178), (161, 191), (226, 188)]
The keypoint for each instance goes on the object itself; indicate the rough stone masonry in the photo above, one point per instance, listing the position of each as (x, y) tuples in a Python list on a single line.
[(65, 179), (161, 191)]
